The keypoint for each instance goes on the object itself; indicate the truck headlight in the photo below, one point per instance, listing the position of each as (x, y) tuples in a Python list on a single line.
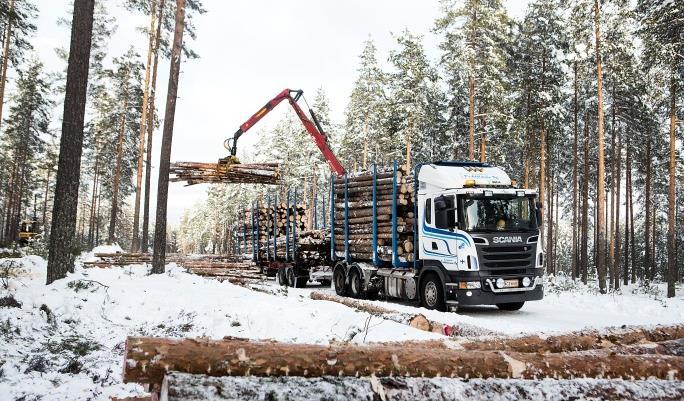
[(469, 285), (526, 281), (500, 283)]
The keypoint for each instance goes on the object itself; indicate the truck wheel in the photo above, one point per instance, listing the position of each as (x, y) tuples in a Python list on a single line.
[(431, 296), (291, 279), (300, 282), (355, 284), (280, 275), (510, 306), (340, 280)]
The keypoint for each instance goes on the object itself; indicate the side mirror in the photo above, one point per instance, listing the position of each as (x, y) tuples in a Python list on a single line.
[(538, 210)]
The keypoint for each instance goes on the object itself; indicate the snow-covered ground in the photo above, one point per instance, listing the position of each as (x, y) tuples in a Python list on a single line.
[(66, 341)]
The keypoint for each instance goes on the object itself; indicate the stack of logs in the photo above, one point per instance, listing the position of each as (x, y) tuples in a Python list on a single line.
[(309, 249), (360, 202), (203, 367), (233, 268), (202, 173)]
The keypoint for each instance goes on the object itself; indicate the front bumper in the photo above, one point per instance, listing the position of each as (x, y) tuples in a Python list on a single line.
[(487, 294)]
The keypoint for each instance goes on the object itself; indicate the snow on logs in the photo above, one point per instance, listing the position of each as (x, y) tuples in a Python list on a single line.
[(148, 360), (359, 199), (187, 387), (211, 173)]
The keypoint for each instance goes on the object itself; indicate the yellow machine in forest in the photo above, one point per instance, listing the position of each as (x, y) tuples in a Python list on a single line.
[(28, 229)]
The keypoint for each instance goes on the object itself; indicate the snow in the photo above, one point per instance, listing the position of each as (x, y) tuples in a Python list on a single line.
[(99, 308), (79, 355), (563, 310)]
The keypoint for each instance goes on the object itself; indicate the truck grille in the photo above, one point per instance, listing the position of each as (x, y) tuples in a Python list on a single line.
[(507, 257)]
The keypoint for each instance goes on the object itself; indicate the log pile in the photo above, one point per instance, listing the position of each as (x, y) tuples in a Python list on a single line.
[(359, 200), (148, 360), (232, 268), (276, 220), (211, 173)]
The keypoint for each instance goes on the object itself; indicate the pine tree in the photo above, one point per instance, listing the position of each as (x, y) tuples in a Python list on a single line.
[(663, 24), (159, 256), (16, 21), (364, 137), (61, 255), (24, 141)]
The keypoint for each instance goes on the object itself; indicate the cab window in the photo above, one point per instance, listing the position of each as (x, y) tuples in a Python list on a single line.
[(428, 211)]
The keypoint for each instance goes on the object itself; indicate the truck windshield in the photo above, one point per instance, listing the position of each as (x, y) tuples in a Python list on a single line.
[(498, 214)]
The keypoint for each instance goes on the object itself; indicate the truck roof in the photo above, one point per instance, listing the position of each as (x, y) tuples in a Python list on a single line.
[(456, 174)]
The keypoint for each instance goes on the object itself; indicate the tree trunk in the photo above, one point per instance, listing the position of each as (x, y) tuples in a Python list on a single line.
[(117, 169), (601, 222), (611, 207), (628, 224), (46, 196), (148, 359), (584, 257), (575, 205), (471, 90), (62, 246), (671, 203), (7, 39), (93, 205), (647, 211), (528, 144), (135, 243), (618, 242), (159, 259), (150, 131)]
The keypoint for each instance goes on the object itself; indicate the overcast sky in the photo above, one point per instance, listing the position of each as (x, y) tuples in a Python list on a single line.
[(249, 51)]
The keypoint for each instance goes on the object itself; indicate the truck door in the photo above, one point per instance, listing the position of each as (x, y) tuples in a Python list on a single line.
[(438, 241)]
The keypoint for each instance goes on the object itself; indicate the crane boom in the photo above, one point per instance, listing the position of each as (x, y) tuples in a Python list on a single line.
[(312, 127)]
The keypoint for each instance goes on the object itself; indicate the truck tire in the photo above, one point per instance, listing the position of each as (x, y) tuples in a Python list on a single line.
[(291, 278), (300, 282), (431, 294), (511, 306), (355, 284), (340, 280), (280, 275)]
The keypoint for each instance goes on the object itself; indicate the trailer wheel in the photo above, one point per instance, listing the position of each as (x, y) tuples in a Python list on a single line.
[(300, 282), (280, 275), (511, 306), (431, 296), (355, 284), (340, 280), (291, 279)]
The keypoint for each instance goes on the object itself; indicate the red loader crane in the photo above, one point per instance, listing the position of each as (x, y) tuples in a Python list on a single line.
[(313, 128)]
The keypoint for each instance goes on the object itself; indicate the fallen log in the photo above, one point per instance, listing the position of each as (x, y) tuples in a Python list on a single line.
[(187, 387), (417, 321), (148, 359), (580, 341)]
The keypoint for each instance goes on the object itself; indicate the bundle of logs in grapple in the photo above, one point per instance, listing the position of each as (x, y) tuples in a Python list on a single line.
[(281, 235), (202, 173), (359, 189)]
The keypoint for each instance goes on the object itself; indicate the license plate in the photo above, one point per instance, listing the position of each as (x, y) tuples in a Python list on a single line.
[(510, 283)]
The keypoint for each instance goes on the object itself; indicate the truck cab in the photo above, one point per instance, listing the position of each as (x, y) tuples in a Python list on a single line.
[(478, 237)]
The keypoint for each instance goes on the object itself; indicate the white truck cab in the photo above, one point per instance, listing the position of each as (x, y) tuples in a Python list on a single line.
[(479, 235)]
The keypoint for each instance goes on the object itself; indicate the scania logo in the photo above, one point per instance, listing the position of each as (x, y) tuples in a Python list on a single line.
[(507, 240)]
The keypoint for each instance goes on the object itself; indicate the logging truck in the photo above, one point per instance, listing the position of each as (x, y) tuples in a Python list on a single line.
[(444, 234)]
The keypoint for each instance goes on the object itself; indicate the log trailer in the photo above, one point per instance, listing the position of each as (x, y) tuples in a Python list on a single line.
[(473, 238)]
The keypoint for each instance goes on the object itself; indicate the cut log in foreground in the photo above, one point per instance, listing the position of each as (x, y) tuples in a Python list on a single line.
[(186, 387), (148, 359), (580, 341), (211, 173), (417, 321)]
